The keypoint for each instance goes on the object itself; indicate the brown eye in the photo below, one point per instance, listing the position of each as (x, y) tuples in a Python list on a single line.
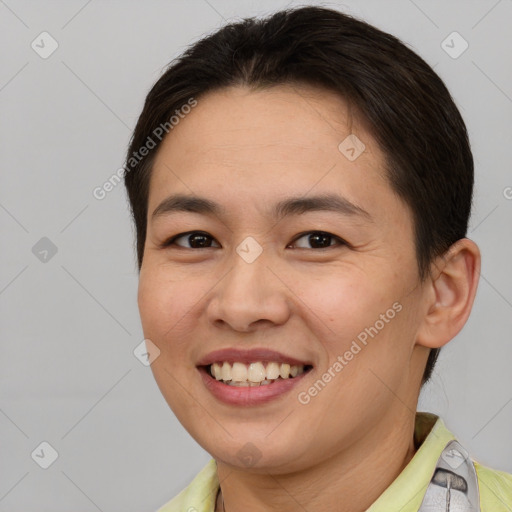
[(195, 239), (319, 240)]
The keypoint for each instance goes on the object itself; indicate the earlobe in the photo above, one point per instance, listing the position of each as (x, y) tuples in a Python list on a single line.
[(453, 288)]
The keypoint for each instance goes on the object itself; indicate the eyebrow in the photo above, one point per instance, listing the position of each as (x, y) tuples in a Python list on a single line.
[(284, 208)]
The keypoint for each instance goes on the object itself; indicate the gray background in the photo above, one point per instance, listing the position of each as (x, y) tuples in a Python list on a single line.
[(69, 324)]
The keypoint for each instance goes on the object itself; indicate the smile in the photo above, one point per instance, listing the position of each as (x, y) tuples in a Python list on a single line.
[(233, 385), (251, 377), (254, 374)]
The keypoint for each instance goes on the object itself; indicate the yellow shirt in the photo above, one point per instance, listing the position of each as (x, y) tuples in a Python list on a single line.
[(405, 493)]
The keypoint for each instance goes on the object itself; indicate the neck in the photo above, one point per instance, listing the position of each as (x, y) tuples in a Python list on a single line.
[(355, 477)]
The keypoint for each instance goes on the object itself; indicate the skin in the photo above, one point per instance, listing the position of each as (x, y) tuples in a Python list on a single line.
[(246, 150)]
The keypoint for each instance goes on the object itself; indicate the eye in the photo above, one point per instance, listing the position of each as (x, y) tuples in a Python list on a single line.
[(202, 240), (319, 240), (196, 239)]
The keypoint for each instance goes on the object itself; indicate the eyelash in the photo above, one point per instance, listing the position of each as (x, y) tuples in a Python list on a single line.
[(171, 241)]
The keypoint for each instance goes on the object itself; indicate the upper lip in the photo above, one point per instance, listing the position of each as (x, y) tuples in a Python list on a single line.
[(233, 355)]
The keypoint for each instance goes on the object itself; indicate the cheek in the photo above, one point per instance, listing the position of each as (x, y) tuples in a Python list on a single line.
[(344, 303), (361, 318), (165, 307)]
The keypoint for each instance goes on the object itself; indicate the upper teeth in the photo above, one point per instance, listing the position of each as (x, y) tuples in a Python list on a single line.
[(254, 372)]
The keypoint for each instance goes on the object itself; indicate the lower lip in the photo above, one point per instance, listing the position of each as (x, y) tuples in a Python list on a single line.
[(248, 395)]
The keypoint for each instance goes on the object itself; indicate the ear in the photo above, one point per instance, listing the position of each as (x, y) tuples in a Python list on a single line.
[(450, 293)]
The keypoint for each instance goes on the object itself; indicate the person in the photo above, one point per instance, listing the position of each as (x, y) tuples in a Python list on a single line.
[(301, 186)]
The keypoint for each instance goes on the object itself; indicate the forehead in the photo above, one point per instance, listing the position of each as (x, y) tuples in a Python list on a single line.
[(300, 116), (269, 141)]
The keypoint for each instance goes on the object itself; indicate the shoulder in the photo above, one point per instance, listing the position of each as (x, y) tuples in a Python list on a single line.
[(495, 489), (199, 495)]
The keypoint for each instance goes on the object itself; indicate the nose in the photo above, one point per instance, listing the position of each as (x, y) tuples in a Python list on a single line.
[(249, 295)]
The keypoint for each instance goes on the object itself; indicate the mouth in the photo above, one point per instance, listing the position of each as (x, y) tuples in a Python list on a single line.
[(254, 374), (249, 377), (258, 373), (242, 384)]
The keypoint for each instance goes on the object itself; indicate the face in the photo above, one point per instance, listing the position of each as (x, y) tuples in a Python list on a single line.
[(330, 284)]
